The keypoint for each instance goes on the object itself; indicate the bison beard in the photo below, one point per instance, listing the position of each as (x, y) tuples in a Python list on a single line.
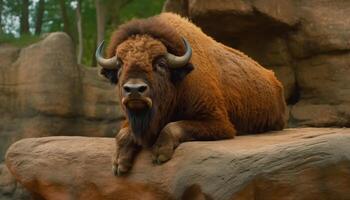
[(140, 121), (217, 93)]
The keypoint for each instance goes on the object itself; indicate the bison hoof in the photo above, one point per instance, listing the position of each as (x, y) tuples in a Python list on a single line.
[(160, 159), (162, 151), (119, 170)]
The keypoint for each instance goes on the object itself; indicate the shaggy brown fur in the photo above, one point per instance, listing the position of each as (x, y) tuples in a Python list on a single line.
[(154, 27), (226, 92)]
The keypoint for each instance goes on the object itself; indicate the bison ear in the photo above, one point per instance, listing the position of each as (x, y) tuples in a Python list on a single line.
[(179, 74), (110, 74)]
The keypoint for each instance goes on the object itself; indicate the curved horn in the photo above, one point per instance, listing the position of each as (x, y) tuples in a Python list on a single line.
[(180, 61), (110, 63)]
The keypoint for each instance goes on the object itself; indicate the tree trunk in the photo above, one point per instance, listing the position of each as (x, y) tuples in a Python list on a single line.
[(113, 11), (80, 32), (1, 10), (101, 19), (24, 17), (39, 17), (93, 61), (101, 11), (65, 19)]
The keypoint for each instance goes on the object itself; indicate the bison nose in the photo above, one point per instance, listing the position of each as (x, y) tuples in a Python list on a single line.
[(135, 88)]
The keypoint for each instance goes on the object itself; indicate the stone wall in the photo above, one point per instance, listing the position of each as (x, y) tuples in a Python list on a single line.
[(44, 92), (306, 43)]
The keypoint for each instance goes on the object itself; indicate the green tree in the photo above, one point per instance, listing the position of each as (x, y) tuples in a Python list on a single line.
[(101, 12), (10, 12), (80, 32), (65, 18), (39, 16), (78, 18), (25, 17), (89, 27), (1, 11), (52, 20)]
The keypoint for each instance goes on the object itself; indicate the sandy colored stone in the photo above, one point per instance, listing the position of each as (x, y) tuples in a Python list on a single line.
[(324, 28), (9, 187), (305, 163), (319, 115), (325, 78), (8, 54), (43, 92)]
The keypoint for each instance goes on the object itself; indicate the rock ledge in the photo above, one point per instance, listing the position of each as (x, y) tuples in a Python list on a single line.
[(305, 163)]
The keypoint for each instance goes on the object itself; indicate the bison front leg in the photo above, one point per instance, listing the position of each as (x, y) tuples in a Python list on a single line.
[(175, 133), (126, 149)]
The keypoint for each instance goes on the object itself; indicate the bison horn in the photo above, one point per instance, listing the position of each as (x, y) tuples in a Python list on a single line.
[(110, 63), (180, 61)]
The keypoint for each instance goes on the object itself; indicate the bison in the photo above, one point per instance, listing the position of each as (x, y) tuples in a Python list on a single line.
[(177, 84)]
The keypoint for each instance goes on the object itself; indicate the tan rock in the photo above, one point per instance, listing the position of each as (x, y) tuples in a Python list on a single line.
[(43, 91), (8, 54), (304, 163), (325, 79), (324, 28), (247, 14), (320, 115), (9, 187), (281, 11)]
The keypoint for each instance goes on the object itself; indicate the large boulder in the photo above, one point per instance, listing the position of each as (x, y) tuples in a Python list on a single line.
[(305, 42), (9, 188), (43, 92), (306, 163)]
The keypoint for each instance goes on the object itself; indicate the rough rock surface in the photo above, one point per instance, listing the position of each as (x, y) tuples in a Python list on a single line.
[(306, 43), (306, 163), (44, 92), (9, 188)]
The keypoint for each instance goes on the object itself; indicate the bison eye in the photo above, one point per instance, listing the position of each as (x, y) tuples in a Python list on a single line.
[(159, 63)]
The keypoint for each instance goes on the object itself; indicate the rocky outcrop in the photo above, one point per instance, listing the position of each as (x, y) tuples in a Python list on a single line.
[(43, 92), (304, 163), (9, 188), (306, 43)]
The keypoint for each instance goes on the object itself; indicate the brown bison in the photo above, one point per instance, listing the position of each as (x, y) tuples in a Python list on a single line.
[(177, 84)]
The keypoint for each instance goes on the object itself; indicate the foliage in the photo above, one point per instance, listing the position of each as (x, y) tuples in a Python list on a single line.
[(10, 13), (118, 12), (136, 9), (89, 35), (140, 9), (23, 41), (52, 17)]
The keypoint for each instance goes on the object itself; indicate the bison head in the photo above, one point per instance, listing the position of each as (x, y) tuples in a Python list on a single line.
[(146, 75)]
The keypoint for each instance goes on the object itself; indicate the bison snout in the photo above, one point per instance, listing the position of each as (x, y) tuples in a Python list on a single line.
[(136, 95), (135, 87)]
